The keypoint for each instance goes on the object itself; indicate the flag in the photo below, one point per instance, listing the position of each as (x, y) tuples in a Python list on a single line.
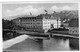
[(45, 10), (30, 13)]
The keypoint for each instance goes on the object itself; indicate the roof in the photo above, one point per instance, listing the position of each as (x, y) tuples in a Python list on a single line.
[(50, 16), (46, 16)]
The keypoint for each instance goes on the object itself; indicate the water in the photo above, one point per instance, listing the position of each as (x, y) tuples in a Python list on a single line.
[(52, 44), (59, 44), (56, 45)]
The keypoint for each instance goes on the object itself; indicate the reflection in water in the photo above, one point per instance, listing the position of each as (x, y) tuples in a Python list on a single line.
[(60, 44), (56, 44), (74, 44)]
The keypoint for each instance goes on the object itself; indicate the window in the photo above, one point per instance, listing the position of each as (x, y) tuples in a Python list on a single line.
[(38, 23), (72, 31), (33, 20)]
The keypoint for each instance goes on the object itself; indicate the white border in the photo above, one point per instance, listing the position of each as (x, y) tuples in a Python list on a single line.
[(39, 1), (32, 1), (79, 24), (1, 27)]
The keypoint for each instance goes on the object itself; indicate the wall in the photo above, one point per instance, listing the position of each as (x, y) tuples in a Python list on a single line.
[(30, 23), (47, 23)]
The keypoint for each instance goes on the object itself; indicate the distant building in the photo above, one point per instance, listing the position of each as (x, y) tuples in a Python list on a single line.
[(65, 23), (74, 26), (38, 23)]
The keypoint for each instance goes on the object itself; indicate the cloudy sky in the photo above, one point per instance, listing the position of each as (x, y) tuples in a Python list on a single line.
[(35, 8)]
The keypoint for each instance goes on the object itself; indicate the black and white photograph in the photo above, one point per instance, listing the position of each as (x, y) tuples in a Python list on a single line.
[(40, 26)]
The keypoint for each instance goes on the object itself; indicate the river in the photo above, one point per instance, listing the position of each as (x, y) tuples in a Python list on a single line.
[(52, 44), (59, 44)]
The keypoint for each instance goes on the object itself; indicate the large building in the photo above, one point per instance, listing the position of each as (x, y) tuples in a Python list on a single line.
[(49, 22), (38, 23)]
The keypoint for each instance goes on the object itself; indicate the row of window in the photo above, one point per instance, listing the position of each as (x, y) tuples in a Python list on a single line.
[(46, 26), (31, 20), (34, 18), (50, 22), (47, 23), (29, 23), (33, 26), (36, 27)]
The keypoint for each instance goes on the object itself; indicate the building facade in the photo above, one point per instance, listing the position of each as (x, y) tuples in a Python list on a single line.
[(50, 22), (38, 23), (31, 23)]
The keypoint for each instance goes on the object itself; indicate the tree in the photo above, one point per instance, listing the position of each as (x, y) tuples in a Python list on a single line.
[(66, 15), (8, 24)]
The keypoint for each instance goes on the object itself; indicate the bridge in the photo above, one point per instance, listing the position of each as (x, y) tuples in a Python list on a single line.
[(65, 35), (38, 35)]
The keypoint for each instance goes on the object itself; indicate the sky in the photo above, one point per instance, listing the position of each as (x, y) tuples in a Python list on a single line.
[(35, 8)]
